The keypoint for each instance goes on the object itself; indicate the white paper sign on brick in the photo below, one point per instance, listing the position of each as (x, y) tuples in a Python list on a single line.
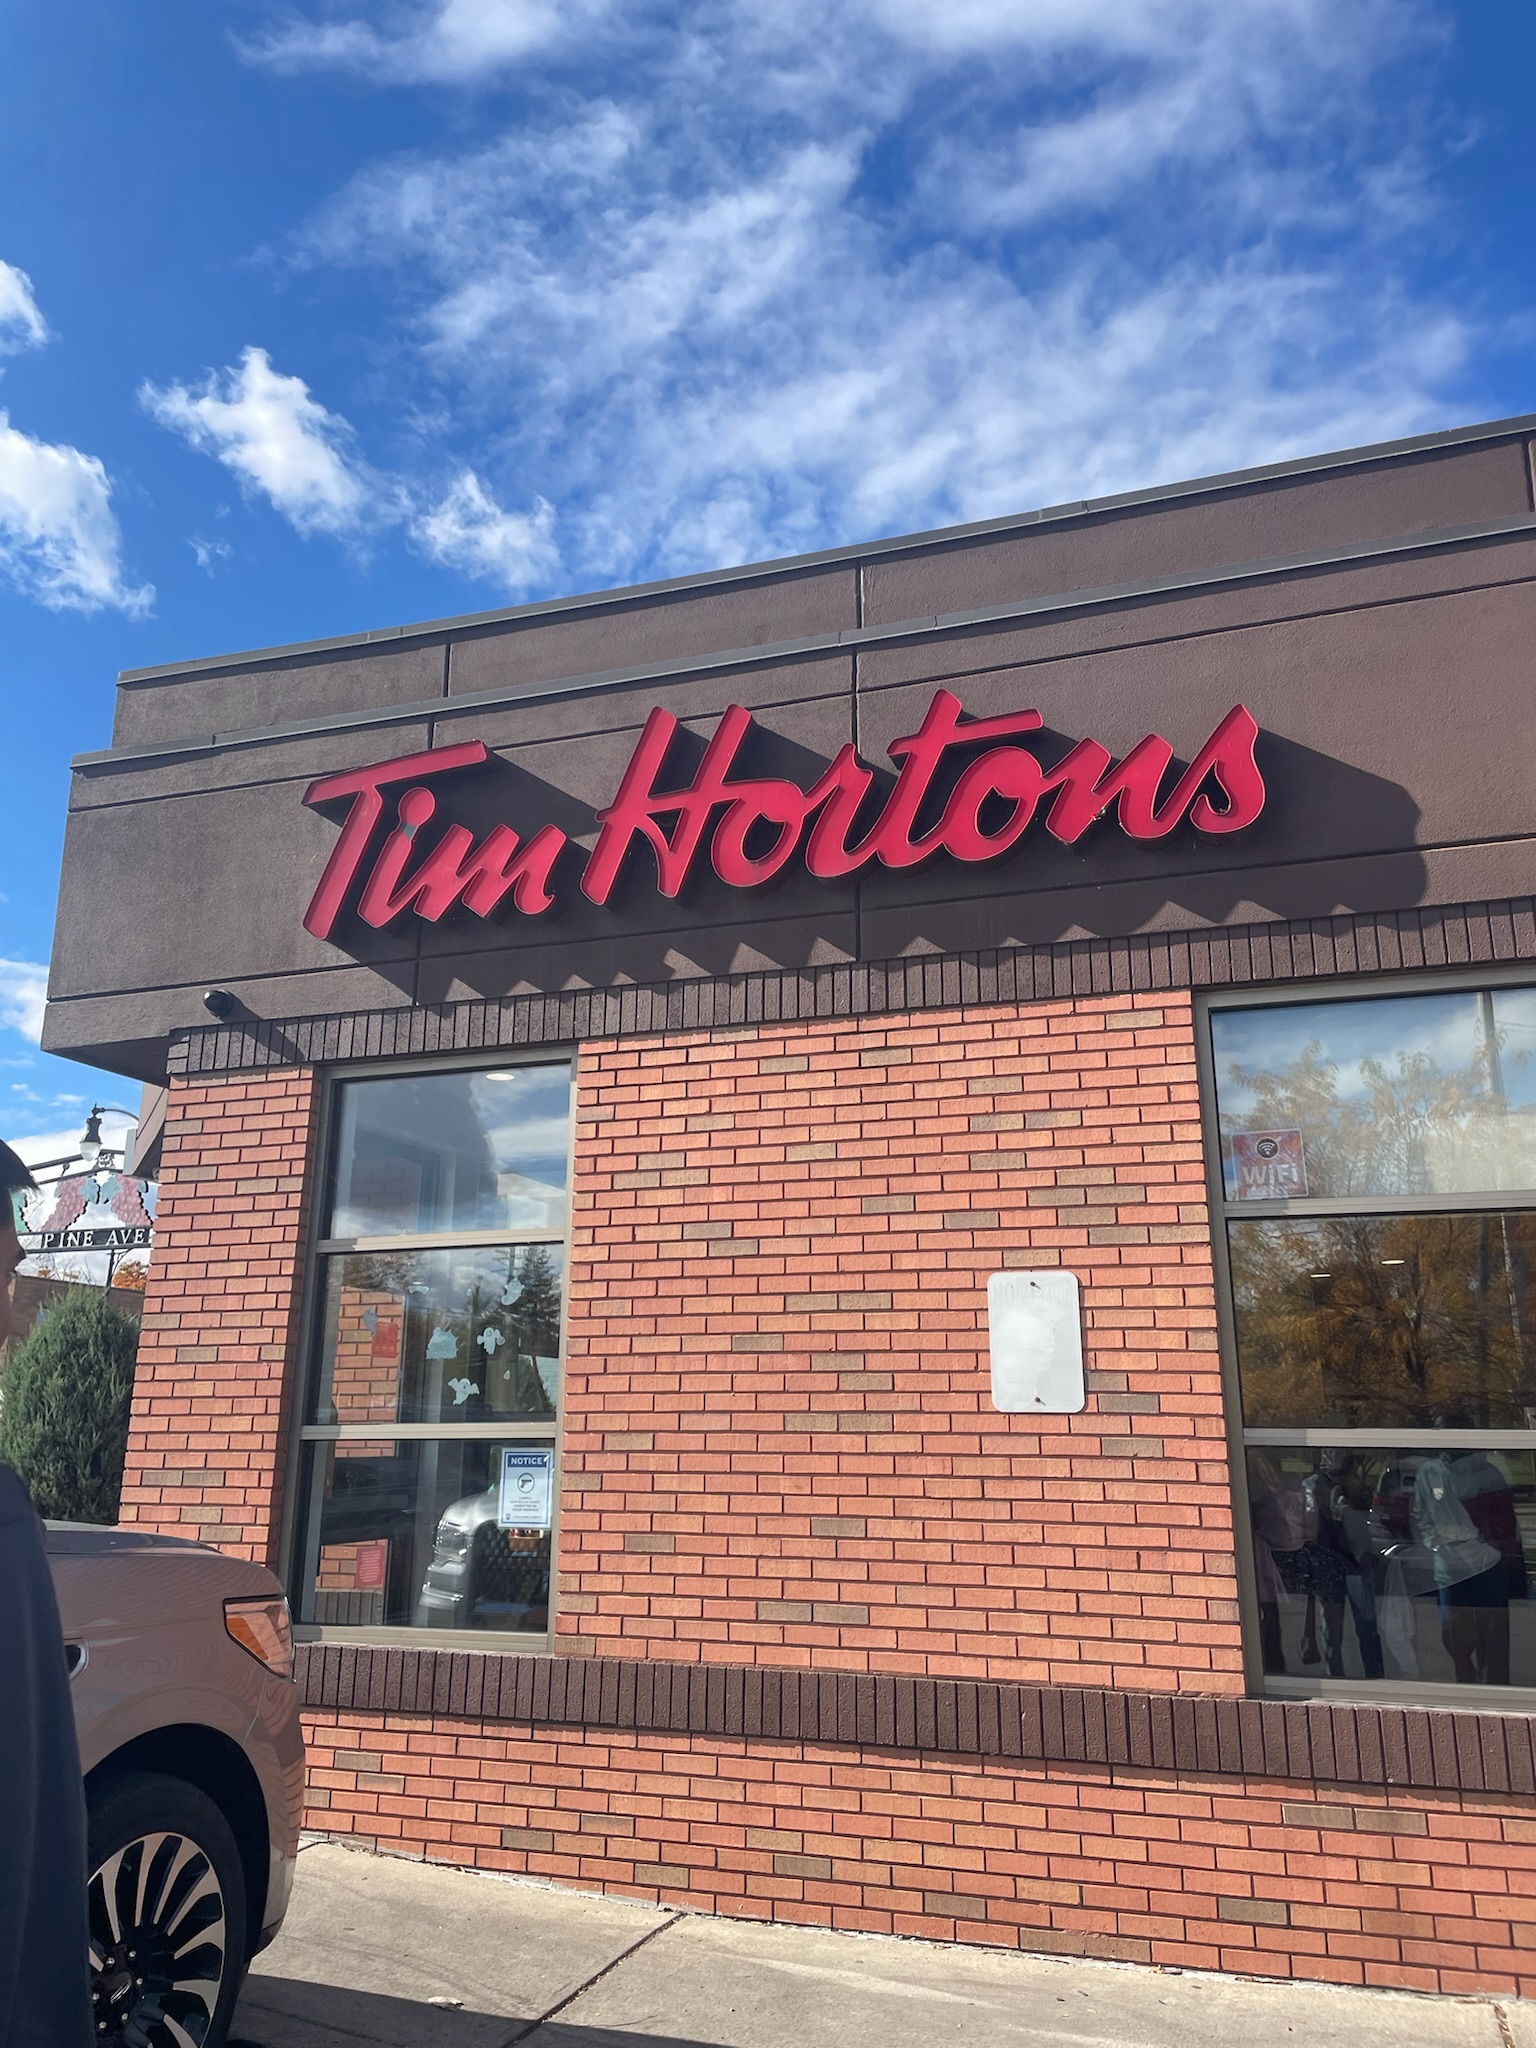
[(1035, 1325)]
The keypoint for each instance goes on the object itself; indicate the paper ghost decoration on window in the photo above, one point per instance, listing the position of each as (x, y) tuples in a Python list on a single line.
[(490, 1340), (442, 1343), (512, 1292), (462, 1389)]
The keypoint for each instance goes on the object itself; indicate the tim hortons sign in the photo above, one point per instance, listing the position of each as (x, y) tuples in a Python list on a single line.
[(753, 828)]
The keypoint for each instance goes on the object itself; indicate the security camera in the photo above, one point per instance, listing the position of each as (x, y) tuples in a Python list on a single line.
[(218, 1002)]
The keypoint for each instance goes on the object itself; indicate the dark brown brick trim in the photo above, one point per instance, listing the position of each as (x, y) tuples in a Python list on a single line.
[(1223, 957), (1427, 1749)]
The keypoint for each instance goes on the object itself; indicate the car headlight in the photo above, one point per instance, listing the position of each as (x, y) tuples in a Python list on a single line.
[(262, 1628), (450, 1542)]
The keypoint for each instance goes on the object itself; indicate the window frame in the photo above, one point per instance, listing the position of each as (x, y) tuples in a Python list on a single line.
[(304, 1370), (1222, 1210)]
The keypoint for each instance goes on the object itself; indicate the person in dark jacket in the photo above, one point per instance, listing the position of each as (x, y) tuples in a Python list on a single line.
[(45, 1998)]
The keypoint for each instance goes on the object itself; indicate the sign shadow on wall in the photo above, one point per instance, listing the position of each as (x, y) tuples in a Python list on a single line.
[(1331, 837)]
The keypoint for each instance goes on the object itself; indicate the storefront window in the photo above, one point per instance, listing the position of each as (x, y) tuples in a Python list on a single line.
[(1374, 1322), (1379, 1187), (430, 1428), (1392, 1562), (1394, 1095), (453, 1336), (425, 1153), (409, 1535)]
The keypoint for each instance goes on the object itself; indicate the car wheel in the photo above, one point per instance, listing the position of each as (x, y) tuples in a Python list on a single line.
[(167, 1915)]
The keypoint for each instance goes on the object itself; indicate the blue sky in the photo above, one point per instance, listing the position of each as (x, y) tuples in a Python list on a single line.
[(323, 317)]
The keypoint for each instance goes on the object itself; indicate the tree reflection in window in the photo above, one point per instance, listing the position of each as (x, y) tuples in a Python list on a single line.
[(405, 1330), (1395, 1095), (1363, 1321)]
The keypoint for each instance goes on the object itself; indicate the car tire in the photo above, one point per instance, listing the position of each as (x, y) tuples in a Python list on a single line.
[(168, 1928)]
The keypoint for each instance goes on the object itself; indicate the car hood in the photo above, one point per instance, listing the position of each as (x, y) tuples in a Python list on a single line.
[(90, 1539)]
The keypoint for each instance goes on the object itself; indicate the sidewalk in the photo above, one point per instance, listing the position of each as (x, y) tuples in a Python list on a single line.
[(372, 1941)]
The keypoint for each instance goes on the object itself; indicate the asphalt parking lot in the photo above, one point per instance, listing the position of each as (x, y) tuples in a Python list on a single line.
[(395, 1954)]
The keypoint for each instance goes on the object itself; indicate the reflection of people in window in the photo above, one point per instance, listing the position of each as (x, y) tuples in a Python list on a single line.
[(1343, 1560), (1282, 1523), (1464, 1515)]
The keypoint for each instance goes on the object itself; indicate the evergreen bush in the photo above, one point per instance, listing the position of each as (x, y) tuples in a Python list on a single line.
[(64, 1401)]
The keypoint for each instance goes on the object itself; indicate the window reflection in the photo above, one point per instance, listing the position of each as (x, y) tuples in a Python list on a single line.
[(1371, 1321), (407, 1535), (1406, 1564), (450, 1336), (1394, 1095), (458, 1151)]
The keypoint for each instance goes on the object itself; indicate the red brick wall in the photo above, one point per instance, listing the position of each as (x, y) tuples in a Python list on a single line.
[(780, 1445), (1431, 1892), (211, 1390)]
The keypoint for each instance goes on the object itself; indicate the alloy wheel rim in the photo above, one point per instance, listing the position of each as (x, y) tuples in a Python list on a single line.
[(158, 1944)]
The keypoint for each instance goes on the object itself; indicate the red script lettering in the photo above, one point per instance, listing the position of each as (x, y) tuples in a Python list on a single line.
[(759, 823)]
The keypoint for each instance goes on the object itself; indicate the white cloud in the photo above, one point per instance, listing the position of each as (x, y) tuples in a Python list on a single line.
[(467, 530), (1135, 28), (59, 538), (787, 275), (278, 439), (274, 437), (731, 278), (23, 992), (446, 42), (21, 324), (1263, 98), (210, 553)]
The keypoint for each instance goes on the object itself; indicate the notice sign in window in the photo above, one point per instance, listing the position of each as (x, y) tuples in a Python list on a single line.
[(1035, 1326), (525, 1498)]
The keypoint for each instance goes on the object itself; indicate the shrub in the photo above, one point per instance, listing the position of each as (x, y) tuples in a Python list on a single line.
[(64, 1403)]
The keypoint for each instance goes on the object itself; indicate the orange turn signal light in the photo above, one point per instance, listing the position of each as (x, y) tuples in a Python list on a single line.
[(262, 1628)]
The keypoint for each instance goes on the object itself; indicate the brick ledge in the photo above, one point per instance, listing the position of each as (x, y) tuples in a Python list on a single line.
[(1226, 956), (1424, 1748)]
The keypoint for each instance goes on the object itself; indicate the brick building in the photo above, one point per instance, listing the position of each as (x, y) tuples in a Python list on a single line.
[(640, 1070)]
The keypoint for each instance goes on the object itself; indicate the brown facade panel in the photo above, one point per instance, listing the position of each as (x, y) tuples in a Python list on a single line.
[(673, 627), (1437, 490), (269, 692), (1427, 1749)]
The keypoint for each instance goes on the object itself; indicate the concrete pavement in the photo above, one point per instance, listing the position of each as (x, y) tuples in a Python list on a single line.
[(382, 1953)]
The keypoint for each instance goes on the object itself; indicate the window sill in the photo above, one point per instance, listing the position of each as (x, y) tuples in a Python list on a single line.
[(486, 1642), (1359, 1692)]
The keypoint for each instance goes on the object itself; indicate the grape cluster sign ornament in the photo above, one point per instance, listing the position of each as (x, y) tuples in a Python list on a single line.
[(101, 1211), (750, 829)]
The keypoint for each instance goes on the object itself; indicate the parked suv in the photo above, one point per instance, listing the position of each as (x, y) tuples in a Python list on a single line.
[(188, 1720)]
